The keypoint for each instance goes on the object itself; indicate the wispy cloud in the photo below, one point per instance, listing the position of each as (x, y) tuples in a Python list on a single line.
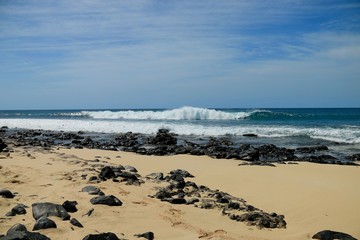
[(201, 48)]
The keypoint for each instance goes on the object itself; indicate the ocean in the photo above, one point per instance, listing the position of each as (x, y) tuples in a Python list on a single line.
[(338, 128)]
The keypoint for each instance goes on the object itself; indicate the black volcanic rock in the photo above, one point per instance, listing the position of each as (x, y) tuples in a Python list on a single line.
[(44, 223), (101, 236), (92, 190), (163, 137), (6, 193), (354, 157), (332, 235), (70, 206), (2, 145), (19, 232), (49, 209), (106, 200), (76, 223), (147, 235), (107, 173)]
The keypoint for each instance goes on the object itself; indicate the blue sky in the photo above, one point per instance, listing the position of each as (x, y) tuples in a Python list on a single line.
[(168, 54)]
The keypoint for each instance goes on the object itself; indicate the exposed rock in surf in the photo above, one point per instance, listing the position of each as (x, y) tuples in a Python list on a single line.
[(163, 137)]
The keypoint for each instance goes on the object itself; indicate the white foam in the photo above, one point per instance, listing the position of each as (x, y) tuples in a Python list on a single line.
[(184, 113), (346, 135)]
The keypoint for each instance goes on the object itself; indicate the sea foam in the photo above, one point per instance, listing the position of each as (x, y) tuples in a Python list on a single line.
[(344, 135), (184, 113)]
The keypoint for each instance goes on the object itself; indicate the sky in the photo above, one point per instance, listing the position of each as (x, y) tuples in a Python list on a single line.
[(92, 54)]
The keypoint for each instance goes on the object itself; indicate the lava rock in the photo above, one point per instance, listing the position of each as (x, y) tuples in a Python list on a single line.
[(70, 206), (18, 210), (2, 145), (250, 135), (107, 173), (155, 176), (92, 190), (76, 223), (354, 157), (49, 209), (44, 223), (130, 169), (6, 193), (332, 235), (174, 200), (106, 200), (101, 236), (147, 235), (16, 228), (182, 173), (19, 232), (163, 137)]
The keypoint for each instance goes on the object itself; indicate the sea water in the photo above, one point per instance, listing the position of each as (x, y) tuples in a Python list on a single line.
[(338, 128)]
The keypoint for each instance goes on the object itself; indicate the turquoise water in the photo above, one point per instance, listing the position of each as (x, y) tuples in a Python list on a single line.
[(286, 126)]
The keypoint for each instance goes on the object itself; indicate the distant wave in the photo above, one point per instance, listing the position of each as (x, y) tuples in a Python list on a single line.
[(184, 113)]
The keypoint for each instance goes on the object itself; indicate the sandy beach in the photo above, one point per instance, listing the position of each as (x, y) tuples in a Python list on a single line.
[(312, 197)]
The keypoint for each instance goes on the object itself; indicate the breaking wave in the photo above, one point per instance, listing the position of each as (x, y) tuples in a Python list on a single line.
[(184, 113)]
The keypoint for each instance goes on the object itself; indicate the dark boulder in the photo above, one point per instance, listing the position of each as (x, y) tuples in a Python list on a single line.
[(17, 210), (354, 157), (107, 173), (44, 223), (250, 135), (130, 169), (261, 219), (76, 223), (6, 193), (25, 236), (92, 190), (155, 176), (101, 236), (2, 145), (19, 232), (147, 235), (49, 209), (163, 137), (182, 173), (70, 206), (174, 200), (106, 200), (16, 228), (247, 152), (332, 235), (271, 153)]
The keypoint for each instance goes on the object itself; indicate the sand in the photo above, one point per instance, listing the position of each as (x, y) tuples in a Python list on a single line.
[(312, 197)]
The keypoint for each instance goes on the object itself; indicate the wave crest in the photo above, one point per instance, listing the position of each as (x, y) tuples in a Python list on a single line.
[(184, 113)]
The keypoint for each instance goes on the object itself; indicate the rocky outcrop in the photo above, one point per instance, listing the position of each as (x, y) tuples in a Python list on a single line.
[(180, 191)]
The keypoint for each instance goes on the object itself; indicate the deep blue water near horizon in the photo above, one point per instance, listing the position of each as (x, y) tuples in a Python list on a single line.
[(338, 128)]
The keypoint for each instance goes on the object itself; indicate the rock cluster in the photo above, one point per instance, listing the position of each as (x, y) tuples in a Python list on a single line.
[(167, 143), (180, 191)]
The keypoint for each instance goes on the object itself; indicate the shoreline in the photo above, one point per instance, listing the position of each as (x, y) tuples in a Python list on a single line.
[(165, 143)]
